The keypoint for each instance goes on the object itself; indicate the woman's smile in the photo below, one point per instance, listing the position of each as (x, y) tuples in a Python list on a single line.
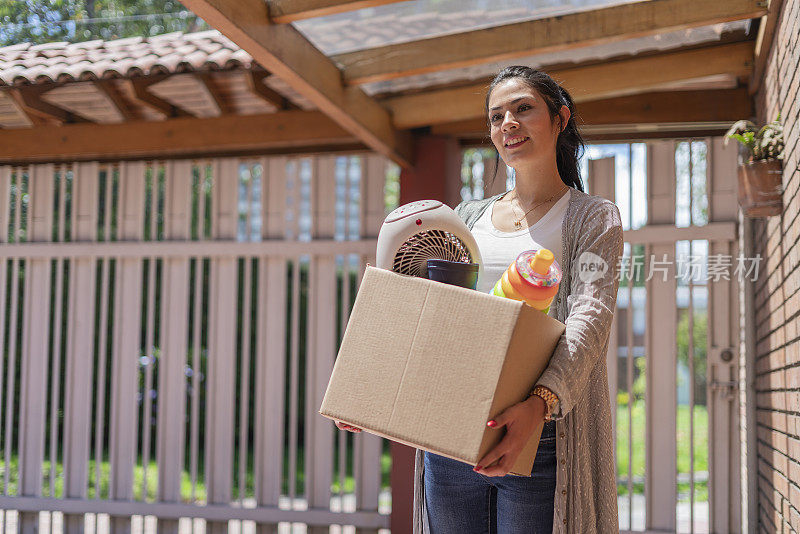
[(516, 141)]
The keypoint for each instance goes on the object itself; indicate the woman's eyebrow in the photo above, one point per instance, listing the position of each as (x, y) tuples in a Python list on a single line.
[(512, 102)]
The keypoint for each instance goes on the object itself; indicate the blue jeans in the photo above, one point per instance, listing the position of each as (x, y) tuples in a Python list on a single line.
[(461, 501)]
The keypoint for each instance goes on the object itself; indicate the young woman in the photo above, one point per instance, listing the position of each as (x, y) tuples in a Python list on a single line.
[(572, 487)]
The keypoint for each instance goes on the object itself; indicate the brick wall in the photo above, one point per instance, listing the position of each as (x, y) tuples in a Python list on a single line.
[(777, 299)]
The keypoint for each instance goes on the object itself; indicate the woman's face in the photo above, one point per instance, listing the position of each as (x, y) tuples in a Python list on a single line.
[(520, 124)]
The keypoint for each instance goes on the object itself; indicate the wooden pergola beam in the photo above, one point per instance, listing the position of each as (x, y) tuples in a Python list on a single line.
[(606, 80), (286, 11), (286, 53), (710, 105), (229, 134), (567, 32), (766, 33), (650, 111)]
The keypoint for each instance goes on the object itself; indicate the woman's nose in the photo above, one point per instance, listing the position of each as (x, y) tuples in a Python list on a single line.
[(509, 121)]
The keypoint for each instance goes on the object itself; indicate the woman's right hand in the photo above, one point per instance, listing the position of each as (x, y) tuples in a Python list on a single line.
[(344, 426)]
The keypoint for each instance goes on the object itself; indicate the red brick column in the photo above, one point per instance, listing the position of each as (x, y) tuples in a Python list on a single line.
[(436, 175)]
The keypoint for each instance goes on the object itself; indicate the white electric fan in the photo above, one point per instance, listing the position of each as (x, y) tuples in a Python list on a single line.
[(427, 229)]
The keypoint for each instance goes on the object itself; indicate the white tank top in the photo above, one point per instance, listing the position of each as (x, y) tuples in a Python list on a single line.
[(498, 249)]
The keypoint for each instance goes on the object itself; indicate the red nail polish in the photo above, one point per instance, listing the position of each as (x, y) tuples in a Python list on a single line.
[(477, 468), (492, 423)]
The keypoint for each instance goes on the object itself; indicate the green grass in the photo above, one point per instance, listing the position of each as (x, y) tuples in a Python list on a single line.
[(349, 482), (186, 484), (638, 448), (57, 490)]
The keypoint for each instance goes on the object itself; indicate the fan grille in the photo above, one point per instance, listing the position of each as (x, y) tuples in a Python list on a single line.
[(412, 256)]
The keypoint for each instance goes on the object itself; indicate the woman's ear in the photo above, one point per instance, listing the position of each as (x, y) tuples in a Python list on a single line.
[(565, 114)]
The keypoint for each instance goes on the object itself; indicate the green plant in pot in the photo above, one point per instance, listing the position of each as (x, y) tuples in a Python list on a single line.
[(761, 172)]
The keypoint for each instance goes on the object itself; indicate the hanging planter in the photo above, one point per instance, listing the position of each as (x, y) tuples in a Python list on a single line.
[(761, 187), (761, 175)]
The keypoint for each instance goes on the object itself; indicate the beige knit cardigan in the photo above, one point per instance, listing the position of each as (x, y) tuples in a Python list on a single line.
[(586, 494)]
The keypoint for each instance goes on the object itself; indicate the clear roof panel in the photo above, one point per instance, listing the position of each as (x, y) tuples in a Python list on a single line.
[(628, 47), (422, 19)]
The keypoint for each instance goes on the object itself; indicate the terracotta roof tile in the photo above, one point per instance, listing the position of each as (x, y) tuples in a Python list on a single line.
[(127, 41), (18, 46), (169, 53), (49, 46)]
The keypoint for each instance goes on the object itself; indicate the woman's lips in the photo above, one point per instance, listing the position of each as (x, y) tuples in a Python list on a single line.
[(517, 143)]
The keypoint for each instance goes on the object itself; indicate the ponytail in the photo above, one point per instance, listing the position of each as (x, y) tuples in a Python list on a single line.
[(569, 146)]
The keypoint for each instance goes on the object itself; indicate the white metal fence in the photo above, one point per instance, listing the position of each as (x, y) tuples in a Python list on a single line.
[(167, 330), (673, 359)]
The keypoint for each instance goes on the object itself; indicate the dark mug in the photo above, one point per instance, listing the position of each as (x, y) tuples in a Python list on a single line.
[(453, 272)]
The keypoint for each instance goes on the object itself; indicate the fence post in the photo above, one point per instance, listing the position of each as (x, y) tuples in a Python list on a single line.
[(174, 340), (222, 342), (125, 343), (270, 343), (80, 343), (368, 447), (33, 386), (602, 182), (724, 485), (661, 396), (322, 337)]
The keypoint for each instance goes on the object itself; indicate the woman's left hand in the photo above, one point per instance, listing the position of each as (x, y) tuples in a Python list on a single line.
[(520, 420)]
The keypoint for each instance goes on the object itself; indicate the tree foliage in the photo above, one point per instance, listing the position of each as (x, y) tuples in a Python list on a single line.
[(44, 21), (699, 338)]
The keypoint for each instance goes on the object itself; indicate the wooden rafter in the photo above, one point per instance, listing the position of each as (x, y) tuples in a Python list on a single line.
[(606, 80), (285, 11), (39, 112), (647, 110), (113, 95), (285, 52), (255, 82), (209, 85), (142, 94), (587, 28), (228, 134), (766, 32)]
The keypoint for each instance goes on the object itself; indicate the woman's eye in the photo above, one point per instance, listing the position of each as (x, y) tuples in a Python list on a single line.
[(494, 118), (524, 107)]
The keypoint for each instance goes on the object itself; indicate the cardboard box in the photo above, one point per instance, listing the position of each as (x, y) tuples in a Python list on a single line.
[(428, 364)]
